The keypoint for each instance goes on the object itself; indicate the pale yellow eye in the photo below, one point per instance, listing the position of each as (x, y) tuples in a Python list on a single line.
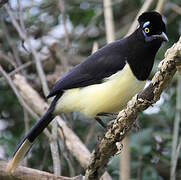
[(147, 30)]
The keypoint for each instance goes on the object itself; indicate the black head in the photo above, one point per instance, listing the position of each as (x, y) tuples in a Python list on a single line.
[(144, 43), (152, 27)]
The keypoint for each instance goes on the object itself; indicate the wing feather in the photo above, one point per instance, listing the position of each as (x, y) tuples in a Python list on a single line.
[(104, 63)]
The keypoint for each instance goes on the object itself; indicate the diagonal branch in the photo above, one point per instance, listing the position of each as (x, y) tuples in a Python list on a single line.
[(123, 124)]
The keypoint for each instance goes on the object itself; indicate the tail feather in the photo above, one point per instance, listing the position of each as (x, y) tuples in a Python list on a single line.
[(19, 155), (26, 143)]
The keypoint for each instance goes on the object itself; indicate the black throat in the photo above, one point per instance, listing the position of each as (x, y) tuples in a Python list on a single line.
[(140, 54)]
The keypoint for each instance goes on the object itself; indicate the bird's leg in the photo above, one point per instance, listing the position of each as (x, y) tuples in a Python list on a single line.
[(101, 122)]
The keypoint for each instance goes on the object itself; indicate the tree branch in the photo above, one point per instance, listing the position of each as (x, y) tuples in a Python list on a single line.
[(174, 164), (109, 23), (160, 6), (54, 150), (62, 9), (31, 174), (123, 124)]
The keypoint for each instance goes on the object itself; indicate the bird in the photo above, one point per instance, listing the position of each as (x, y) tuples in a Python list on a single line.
[(105, 81)]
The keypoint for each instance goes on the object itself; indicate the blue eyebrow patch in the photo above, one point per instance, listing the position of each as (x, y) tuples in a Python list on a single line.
[(146, 24)]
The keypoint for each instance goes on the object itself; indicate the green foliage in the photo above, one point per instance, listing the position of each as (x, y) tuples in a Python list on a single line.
[(80, 16)]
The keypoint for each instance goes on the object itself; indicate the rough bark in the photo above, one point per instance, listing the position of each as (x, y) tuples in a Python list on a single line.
[(123, 123)]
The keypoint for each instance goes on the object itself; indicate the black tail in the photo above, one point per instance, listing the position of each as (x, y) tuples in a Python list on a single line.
[(26, 143)]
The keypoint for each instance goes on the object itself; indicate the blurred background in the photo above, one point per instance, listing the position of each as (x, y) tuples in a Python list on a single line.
[(60, 34)]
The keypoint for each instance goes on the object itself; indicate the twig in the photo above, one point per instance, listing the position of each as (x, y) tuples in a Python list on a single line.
[(8, 59), (109, 22), (125, 159), (140, 160), (78, 149), (115, 2), (23, 66), (23, 173), (62, 9), (26, 121), (64, 151), (27, 127), (44, 159), (39, 68), (160, 6), (22, 25), (174, 165), (54, 150), (95, 47), (123, 124), (176, 130), (11, 44), (15, 23), (176, 8), (60, 55), (90, 133)]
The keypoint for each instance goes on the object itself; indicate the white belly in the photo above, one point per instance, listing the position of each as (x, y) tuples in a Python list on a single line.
[(109, 96)]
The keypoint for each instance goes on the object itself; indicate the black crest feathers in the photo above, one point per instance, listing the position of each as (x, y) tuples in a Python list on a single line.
[(154, 18)]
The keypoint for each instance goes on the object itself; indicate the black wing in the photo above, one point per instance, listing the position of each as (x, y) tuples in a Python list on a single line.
[(105, 62)]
